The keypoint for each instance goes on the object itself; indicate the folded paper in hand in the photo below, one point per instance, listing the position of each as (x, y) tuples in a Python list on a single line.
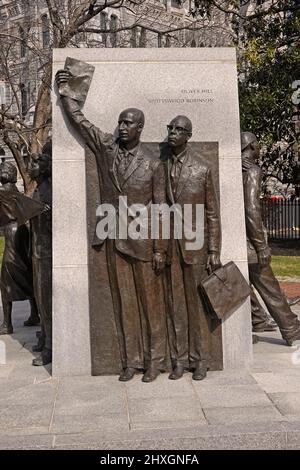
[(81, 77)]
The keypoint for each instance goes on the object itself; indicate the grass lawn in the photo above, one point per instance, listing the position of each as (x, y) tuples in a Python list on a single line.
[(1, 248), (286, 266)]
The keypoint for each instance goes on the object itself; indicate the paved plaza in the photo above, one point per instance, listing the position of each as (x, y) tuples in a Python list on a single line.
[(256, 409)]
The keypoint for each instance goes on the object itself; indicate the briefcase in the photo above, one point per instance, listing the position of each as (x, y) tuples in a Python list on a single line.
[(224, 290)]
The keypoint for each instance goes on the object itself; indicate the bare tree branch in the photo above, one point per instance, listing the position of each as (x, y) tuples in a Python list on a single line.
[(54, 16), (271, 9)]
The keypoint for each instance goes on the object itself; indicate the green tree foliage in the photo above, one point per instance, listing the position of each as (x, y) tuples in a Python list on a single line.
[(269, 64), (267, 36)]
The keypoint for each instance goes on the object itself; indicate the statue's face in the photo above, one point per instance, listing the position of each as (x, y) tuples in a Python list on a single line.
[(6, 174), (255, 149), (178, 132), (129, 127), (38, 166)]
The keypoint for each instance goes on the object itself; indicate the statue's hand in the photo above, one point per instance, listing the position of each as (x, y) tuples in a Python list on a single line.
[(61, 77), (47, 208), (213, 262), (264, 256), (158, 262)]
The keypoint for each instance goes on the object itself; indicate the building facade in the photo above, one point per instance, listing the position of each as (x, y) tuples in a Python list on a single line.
[(27, 38)]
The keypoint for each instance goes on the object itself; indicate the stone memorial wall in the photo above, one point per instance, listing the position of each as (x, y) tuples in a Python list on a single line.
[(199, 83)]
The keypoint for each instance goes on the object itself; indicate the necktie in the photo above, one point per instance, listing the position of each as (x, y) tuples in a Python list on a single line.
[(122, 161), (175, 173)]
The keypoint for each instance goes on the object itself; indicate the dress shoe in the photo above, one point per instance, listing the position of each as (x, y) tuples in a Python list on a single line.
[(177, 372), (44, 358), (293, 338), (265, 326), (199, 372), (32, 321), (127, 374), (6, 330), (150, 374), (293, 301)]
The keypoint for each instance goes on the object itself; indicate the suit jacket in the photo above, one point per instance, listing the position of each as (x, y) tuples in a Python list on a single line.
[(142, 183), (41, 225), (255, 230), (195, 186)]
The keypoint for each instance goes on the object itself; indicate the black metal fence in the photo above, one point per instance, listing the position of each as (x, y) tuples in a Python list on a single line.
[(282, 218)]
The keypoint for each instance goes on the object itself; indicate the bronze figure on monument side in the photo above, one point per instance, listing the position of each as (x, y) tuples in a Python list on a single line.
[(189, 181), (259, 254), (261, 320), (134, 265), (40, 170), (16, 272)]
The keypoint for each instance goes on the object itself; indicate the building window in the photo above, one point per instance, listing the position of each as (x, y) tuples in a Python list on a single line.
[(22, 43), (3, 14), (133, 38), (45, 31), (2, 94), (168, 41), (23, 99), (113, 26), (159, 40), (14, 11), (143, 38), (176, 4), (103, 26)]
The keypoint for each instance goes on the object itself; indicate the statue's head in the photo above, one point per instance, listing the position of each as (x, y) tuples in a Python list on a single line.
[(130, 125), (8, 173), (179, 131), (40, 166), (250, 145)]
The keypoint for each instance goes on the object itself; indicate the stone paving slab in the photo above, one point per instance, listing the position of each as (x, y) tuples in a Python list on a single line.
[(272, 382), (174, 409), (37, 442), (42, 393), (233, 396), (66, 424), (255, 409), (268, 362), (182, 437), (246, 414), (257, 436), (288, 403), (26, 415)]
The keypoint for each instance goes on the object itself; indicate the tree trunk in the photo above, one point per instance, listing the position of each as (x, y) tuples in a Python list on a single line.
[(43, 112), (29, 184)]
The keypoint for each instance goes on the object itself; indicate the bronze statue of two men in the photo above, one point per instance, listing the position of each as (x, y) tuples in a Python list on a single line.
[(154, 283), (159, 314)]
